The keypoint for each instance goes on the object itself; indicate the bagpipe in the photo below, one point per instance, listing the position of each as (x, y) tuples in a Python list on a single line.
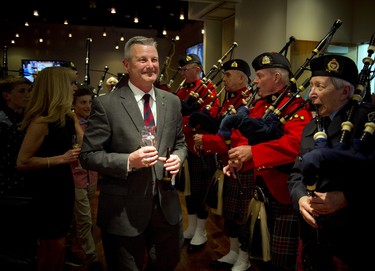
[(210, 124), (198, 95), (164, 70), (99, 89), (86, 78), (4, 68), (87, 81), (348, 152), (269, 127), (100, 85)]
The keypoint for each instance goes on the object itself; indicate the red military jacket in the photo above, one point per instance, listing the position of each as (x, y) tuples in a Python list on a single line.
[(208, 95), (269, 155), (214, 143)]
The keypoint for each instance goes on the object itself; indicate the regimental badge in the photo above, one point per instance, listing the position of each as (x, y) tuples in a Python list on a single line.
[(266, 60), (188, 58), (234, 64), (273, 97), (333, 66)]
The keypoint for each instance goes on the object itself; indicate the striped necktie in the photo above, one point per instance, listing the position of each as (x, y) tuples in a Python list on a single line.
[(148, 117)]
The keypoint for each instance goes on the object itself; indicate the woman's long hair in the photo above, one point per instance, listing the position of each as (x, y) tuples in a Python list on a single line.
[(51, 96)]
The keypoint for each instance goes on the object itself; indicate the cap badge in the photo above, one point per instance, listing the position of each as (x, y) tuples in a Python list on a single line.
[(234, 64), (189, 58), (266, 60), (333, 66)]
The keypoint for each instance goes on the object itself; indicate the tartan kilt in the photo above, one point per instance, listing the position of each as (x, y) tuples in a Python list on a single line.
[(201, 172), (283, 227), (235, 205)]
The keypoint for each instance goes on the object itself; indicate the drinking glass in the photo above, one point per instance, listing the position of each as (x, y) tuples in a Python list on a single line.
[(77, 143), (148, 136)]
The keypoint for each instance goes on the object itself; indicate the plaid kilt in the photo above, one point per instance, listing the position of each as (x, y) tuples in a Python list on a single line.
[(201, 172), (235, 205), (283, 227)]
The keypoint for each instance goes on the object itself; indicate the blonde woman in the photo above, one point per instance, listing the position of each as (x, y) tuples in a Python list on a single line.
[(46, 153)]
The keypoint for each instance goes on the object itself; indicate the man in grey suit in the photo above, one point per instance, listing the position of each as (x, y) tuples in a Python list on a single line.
[(134, 211)]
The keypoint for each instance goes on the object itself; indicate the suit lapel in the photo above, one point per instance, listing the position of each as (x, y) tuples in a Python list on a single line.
[(161, 108), (131, 107)]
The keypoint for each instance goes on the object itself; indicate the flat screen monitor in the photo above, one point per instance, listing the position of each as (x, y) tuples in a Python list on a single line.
[(31, 67), (196, 49)]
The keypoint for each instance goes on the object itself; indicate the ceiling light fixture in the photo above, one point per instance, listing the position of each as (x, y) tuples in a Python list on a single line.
[(177, 37), (27, 24), (117, 47), (113, 10), (202, 31), (104, 33), (136, 20), (122, 37), (66, 22), (164, 31), (35, 13), (182, 16)]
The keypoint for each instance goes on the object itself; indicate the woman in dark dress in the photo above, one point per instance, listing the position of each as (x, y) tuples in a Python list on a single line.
[(46, 153)]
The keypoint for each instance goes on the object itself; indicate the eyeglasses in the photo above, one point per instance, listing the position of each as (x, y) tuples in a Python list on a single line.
[(186, 69)]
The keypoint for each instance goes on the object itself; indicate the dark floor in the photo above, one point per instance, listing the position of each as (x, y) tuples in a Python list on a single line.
[(217, 246)]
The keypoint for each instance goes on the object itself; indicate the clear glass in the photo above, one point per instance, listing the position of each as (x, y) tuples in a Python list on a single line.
[(77, 143), (148, 136)]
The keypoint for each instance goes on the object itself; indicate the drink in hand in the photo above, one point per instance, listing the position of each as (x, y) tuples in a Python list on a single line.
[(167, 176), (76, 144)]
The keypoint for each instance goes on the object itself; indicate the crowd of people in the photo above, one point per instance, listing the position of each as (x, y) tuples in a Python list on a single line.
[(295, 167)]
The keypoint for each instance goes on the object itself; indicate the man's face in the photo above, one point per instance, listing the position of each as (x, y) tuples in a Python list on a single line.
[(265, 81), (18, 97), (143, 67), (325, 96), (232, 80), (190, 72)]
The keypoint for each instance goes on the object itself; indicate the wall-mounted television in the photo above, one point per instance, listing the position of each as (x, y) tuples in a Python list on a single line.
[(196, 49), (31, 67)]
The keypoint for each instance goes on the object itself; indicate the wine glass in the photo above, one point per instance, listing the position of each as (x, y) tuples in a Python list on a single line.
[(77, 143), (148, 136)]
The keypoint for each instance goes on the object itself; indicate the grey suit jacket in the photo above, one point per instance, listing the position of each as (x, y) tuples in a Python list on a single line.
[(126, 198)]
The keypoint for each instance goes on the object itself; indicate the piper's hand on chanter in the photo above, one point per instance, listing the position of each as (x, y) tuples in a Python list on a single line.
[(198, 141), (241, 153), (307, 211), (146, 156), (328, 203), (232, 168), (172, 164)]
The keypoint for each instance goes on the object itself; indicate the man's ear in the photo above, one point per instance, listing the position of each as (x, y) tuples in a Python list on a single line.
[(345, 92), (5, 95)]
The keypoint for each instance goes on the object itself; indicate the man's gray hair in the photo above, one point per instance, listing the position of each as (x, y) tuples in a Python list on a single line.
[(137, 40)]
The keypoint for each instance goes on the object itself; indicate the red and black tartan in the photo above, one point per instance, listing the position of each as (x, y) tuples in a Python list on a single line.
[(283, 227), (235, 205)]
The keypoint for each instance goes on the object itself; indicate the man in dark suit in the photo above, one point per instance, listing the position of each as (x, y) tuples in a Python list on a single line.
[(134, 211)]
